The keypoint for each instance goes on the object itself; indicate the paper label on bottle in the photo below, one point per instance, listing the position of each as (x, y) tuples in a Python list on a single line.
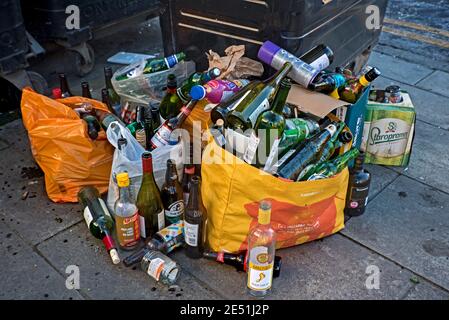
[(272, 155), (161, 137), (155, 268), (358, 197), (252, 148), (87, 216), (341, 113), (265, 105), (260, 277), (161, 220), (143, 232), (321, 63), (191, 234), (128, 230), (174, 211), (173, 235)]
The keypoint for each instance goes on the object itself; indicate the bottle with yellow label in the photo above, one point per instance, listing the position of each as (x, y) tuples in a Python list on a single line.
[(261, 251), (126, 215), (353, 90)]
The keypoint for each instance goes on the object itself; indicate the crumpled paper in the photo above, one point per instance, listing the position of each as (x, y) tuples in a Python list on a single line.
[(234, 65)]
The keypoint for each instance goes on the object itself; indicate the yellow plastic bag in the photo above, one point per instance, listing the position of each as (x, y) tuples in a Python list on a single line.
[(301, 211), (62, 148)]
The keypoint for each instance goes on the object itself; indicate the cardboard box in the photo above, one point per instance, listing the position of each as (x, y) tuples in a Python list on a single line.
[(388, 132)]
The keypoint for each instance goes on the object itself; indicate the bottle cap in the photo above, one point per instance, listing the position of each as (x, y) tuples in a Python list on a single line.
[(57, 93), (214, 73), (123, 179), (267, 52), (198, 92), (372, 74), (264, 212), (345, 137), (171, 81)]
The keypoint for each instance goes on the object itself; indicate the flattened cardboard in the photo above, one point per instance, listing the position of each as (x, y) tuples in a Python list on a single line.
[(312, 102)]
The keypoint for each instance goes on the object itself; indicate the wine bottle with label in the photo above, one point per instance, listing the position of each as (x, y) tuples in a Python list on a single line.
[(171, 195), (194, 222), (319, 57), (258, 99), (149, 203), (358, 188), (165, 241), (261, 253), (98, 219), (266, 122), (126, 215)]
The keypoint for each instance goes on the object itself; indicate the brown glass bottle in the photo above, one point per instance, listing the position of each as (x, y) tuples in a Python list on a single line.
[(171, 195), (85, 90), (194, 222), (358, 188), (189, 171), (105, 99), (64, 86)]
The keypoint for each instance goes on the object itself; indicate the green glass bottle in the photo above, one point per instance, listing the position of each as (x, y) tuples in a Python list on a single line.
[(149, 203), (171, 104), (114, 98), (331, 168), (152, 66), (198, 78), (257, 100), (272, 120), (297, 130), (331, 145)]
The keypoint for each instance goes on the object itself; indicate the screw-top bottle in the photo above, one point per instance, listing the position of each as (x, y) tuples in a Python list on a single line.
[(171, 195), (165, 241), (160, 267), (126, 215), (319, 57), (98, 219), (198, 78), (354, 89), (358, 188), (261, 253), (217, 91), (64, 86), (149, 203), (194, 222)]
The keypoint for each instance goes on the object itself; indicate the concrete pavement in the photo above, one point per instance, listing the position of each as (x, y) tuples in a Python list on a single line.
[(404, 232)]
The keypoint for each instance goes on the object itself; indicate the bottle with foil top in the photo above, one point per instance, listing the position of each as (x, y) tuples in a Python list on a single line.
[(261, 249), (160, 267), (275, 56)]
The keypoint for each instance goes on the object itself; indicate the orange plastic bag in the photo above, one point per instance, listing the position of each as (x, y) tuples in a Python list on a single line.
[(62, 148)]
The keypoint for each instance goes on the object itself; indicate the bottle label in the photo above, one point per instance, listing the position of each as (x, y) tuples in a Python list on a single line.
[(87, 216), (272, 155), (128, 230), (155, 268), (161, 137), (321, 63), (191, 234), (143, 231), (260, 276), (171, 61), (175, 211), (161, 220), (358, 197), (252, 148), (171, 234), (265, 105)]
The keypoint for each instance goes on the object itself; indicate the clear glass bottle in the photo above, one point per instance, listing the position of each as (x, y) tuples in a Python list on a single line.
[(160, 267), (126, 215), (261, 248)]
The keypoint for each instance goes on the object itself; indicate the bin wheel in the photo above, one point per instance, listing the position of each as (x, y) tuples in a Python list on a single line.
[(38, 82), (83, 65)]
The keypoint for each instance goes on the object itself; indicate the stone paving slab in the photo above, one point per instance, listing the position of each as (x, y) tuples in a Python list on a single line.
[(397, 69), (100, 279), (429, 161), (426, 292), (25, 274), (332, 268), (408, 223), (431, 108), (380, 178), (436, 82)]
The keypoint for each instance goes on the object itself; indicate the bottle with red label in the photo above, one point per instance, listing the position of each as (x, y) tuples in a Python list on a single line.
[(162, 136), (126, 215), (217, 91)]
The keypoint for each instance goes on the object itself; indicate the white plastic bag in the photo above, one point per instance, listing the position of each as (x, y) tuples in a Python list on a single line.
[(129, 159)]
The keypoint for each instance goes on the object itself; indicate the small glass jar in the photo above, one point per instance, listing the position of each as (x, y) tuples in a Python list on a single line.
[(160, 267), (394, 94)]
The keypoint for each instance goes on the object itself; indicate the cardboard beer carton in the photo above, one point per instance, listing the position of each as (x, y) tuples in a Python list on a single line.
[(388, 132)]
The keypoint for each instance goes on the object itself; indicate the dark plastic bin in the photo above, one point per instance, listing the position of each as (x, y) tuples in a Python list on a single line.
[(296, 25), (13, 40), (46, 19)]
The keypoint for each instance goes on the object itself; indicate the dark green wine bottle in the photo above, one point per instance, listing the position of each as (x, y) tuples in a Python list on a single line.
[(114, 98), (331, 168), (171, 104), (258, 99)]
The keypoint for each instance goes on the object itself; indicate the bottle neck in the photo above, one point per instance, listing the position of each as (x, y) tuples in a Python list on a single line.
[(124, 194), (108, 80), (280, 99), (171, 90), (281, 74), (193, 197), (147, 166)]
